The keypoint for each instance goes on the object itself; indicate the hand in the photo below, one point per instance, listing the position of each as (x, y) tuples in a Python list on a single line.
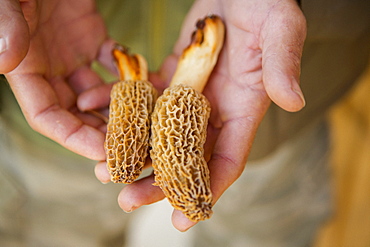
[(260, 62), (47, 50)]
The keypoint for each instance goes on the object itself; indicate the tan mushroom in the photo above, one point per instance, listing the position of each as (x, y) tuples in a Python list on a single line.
[(132, 102), (179, 125)]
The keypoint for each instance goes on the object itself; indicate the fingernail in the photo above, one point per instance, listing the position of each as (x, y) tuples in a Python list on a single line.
[(300, 94), (3, 46), (130, 210), (297, 89), (185, 229)]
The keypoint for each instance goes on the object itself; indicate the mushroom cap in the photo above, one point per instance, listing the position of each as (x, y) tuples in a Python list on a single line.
[(127, 138), (179, 124)]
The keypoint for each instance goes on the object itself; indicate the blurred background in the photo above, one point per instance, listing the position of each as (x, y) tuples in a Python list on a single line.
[(350, 120)]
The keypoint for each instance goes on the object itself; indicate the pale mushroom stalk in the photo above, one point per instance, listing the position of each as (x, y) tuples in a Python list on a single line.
[(179, 125), (128, 129)]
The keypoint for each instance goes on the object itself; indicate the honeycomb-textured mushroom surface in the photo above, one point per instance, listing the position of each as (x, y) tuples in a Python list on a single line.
[(179, 124), (127, 138)]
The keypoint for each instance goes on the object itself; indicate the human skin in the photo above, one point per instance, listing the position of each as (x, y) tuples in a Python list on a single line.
[(260, 62), (50, 75), (47, 50)]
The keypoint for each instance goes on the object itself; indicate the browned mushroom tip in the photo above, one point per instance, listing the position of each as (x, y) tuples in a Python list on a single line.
[(118, 48), (197, 38), (130, 67), (201, 24), (200, 57), (211, 25), (120, 56)]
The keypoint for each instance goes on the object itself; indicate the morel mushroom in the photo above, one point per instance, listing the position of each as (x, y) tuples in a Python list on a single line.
[(128, 129), (179, 125)]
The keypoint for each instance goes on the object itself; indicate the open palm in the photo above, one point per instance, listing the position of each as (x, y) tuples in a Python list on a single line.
[(59, 40)]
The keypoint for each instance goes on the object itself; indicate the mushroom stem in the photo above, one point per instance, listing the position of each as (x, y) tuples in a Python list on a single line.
[(130, 67), (199, 58)]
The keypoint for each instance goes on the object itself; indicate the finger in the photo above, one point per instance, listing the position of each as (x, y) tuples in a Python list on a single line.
[(43, 112), (93, 119), (139, 193), (101, 172), (84, 78), (95, 98), (14, 35), (181, 222), (66, 98), (283, 38), (105, 56)]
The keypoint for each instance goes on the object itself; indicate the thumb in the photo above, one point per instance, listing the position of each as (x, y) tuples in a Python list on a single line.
[(283, 38), (14, 35)]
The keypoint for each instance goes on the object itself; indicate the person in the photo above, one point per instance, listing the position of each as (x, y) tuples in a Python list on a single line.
[(49, 72)]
